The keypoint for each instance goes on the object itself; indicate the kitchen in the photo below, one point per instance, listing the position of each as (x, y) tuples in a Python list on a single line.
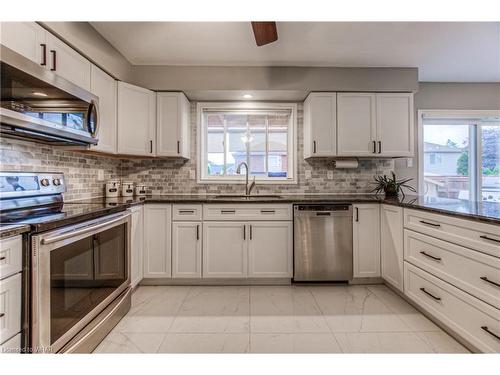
[(199, 199)]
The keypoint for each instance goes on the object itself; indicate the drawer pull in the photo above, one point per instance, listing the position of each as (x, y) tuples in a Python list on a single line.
[(484, 278), (186, 211), (2, 315), (267, 211), (3, 258), (430, 256), (430, 294), (227, 211), (431, 224), (490, 239), (197, 232), (485, 328)]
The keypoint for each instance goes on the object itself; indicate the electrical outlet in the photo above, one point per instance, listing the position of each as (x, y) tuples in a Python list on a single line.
[(100, 175), (307, 174), (409, 162), (192, 174), (329, 175)]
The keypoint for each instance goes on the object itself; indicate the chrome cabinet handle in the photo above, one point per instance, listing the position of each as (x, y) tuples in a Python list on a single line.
[(379, 147), (484, 278), (186, 211), (267, 211), (151, 146), (197, 232), (3, 258), (54, 60), (485, 328), (244, 232), (431, 224), (251, 232), (489, 238), (178, 147), (44, 54), (2, 315), (430, 256), (357, 214), (374, 147), (314, 147), (430, 294), (227, 211)]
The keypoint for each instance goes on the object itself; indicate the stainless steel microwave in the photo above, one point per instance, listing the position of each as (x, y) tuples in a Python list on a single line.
[(39, 105)]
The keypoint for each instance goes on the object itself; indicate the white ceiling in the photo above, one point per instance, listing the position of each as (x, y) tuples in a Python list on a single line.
[(443, 52)]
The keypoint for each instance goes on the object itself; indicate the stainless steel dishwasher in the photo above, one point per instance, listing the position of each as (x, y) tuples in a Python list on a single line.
[(322, 242)]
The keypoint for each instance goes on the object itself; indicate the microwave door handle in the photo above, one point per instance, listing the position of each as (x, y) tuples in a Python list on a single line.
[(84, 230)]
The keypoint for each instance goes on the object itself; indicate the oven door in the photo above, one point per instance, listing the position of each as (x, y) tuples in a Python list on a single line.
[(76, 272)]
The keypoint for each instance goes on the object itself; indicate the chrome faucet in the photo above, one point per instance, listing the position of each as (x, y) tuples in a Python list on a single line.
[(248, 189)]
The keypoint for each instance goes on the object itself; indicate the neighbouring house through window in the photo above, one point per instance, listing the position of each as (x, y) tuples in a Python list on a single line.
[(461, 155), (259, 134)]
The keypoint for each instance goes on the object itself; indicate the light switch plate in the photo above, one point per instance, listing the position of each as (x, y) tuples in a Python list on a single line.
[(192, 174), (100, 175), (307, 174), (409, 162), (329, 175)]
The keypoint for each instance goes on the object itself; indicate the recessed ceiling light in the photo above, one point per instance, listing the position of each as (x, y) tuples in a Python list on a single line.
[(36, 93), (247, 96)]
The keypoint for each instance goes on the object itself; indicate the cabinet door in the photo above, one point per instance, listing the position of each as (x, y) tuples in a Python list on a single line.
[(68, 63), (366, 240), (391, 242), (157, 244), (186, 249), (356, 124), (25, 38), (172, 118), (137, 242), (395, 124), (104, 86), (224, 249), (320, 117), (136, 120), (270, 247)]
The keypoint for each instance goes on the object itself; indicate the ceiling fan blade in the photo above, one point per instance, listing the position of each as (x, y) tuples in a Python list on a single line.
[(265, 32)]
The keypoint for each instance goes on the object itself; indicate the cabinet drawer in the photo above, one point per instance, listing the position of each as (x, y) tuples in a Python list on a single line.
[(247, 212), (475, 235), (474, 320), (12, 346), (10, 256), (10, 307), (469, 270), (186, 212)]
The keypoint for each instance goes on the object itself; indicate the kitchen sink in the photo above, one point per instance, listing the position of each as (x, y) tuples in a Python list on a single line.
[(242, 196)]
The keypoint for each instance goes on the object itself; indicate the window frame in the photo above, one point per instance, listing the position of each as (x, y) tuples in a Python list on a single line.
[(201, 173), (477, 147)]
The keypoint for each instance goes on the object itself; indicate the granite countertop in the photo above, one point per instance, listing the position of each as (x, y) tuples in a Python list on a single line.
[(11, 230), (480, 211)]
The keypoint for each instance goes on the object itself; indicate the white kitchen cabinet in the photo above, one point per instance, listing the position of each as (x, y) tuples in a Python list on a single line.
[(27, 39), (173, 126), (366, 240), (225, 249), (67, 63), (137, 243), (136, 120), (395, 124), (356, 124), (270, 245), (320, 125), (391, 244), (10, 307), (104, 86), (157, 241), (186, 249)]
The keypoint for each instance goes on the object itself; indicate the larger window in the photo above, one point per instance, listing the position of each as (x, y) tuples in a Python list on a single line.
[(262, 135), (461, 155)]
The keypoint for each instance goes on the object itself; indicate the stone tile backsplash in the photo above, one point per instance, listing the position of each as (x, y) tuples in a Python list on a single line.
[(172, 176)]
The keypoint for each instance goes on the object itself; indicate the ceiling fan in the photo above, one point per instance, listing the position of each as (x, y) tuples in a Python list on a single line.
[(264, 32)]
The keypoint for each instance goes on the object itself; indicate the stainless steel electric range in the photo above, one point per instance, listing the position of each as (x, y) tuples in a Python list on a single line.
[(76, 275)]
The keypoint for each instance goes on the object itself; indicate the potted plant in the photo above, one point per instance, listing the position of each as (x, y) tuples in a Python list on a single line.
[(391, 186)]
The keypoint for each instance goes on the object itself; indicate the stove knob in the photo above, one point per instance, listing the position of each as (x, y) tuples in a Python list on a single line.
[(56, 181), (45, 182)]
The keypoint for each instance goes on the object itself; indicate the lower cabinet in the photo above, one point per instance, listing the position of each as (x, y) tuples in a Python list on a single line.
[(366, 240), (270, 245), (157, 241), (186, 249), (391, 244), (136, 243), (225, 249)]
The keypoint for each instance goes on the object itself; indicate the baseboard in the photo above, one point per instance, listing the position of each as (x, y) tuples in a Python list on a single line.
[(260, 281)]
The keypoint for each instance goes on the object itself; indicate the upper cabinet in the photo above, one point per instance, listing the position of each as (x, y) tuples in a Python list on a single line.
[(136, 120), (104, 86), (320, 117), (34, 42), (172, 111), (358, 124)]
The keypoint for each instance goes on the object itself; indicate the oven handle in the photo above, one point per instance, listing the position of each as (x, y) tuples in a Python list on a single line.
[(84, 230)]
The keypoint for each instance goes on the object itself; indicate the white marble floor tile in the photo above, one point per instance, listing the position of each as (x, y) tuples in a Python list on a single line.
[(205, 343), (441, 342), (285, 309), (382, 342), (293, 343), (117, 342)]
